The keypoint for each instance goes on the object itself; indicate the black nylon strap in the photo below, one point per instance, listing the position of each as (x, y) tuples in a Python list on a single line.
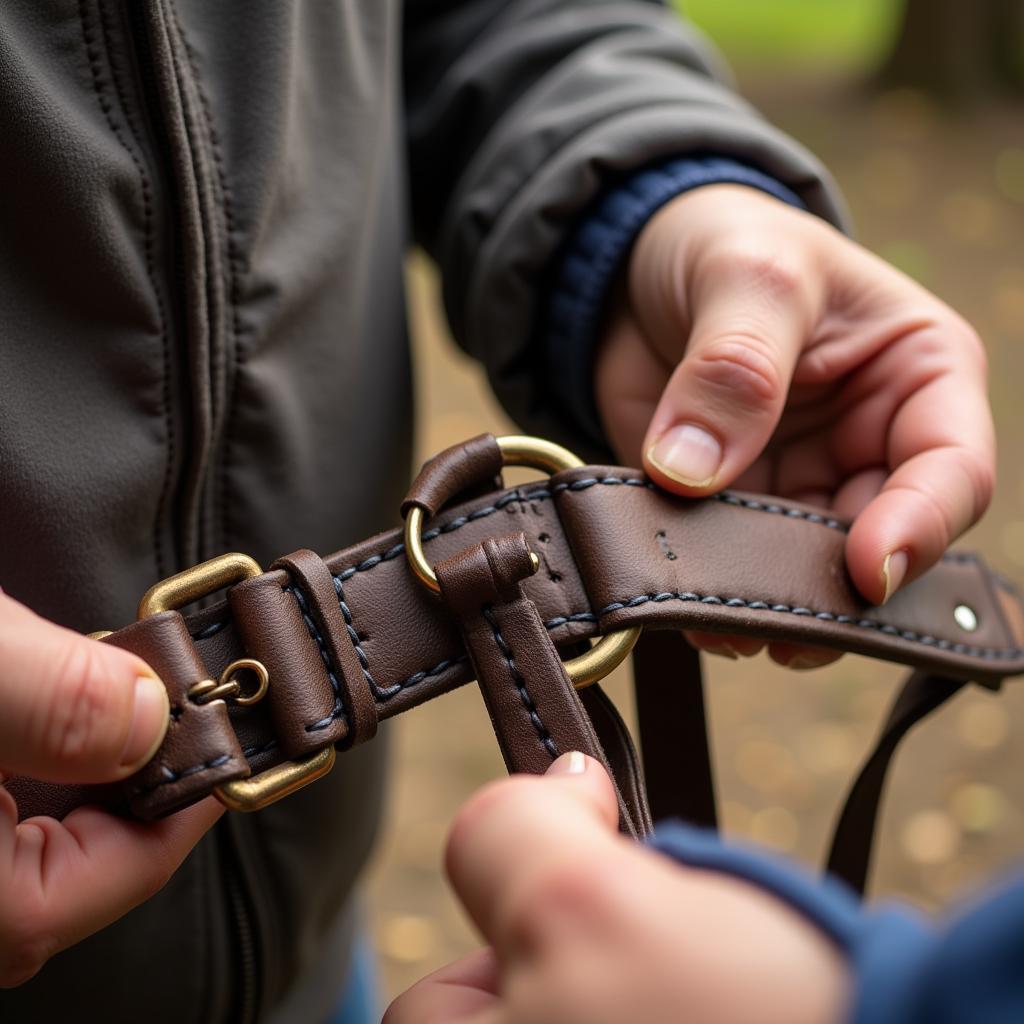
[(673, 730), (852, 841)]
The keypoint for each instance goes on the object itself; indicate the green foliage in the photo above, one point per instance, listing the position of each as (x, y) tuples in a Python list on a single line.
[(851, 34)]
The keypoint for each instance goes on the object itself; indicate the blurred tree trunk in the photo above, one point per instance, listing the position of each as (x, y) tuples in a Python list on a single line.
[(959, 49)]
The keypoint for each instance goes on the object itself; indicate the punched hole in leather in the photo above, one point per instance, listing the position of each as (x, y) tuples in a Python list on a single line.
[(536, 713)]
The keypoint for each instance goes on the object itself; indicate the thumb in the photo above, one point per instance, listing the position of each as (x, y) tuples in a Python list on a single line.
[(516, 835), (723, 401), (74, 710)]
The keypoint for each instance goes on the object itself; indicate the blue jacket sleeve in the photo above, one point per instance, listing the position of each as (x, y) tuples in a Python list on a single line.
[(905, 969), (592, 258)]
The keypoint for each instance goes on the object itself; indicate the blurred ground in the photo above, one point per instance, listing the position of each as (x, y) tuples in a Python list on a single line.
[(944, 199)]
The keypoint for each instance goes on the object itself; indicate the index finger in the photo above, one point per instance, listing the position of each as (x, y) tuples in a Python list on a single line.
[(941, 450)]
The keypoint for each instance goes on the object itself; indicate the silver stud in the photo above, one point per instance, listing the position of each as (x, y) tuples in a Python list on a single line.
[(966, 618)]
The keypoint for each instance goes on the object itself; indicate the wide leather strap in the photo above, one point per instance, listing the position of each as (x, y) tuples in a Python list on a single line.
[(614, 551)]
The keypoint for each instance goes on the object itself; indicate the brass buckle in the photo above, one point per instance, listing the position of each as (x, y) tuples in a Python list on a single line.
[(518, 450), (176, 591)]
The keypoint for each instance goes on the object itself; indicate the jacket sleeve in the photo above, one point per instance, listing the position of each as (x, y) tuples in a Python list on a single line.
[(519, 114), (904, 968)]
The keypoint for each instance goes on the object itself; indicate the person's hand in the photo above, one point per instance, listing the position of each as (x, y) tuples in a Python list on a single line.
[(587, 927), (754, 345), (74, 710)]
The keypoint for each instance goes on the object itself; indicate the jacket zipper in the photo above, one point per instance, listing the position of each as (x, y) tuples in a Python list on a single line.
[(243, 949), (244, 955)]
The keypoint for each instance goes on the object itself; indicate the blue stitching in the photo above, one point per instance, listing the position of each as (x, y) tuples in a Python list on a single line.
[(364, 662), (172, 776), (210, 630), (338, 711), (520, 684), (539, 494), (441, 666), (988, 653), (261, 748), (546, 493)]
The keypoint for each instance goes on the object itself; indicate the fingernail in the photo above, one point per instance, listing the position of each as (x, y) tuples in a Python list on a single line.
[(803, 661), (573, 763), (687, 454), (724, 651), (894, 568), (149, 722)]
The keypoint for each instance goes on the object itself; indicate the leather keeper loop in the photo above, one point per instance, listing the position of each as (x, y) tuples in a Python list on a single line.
[(200, 749), (316, 585), (454, 471), (305, 703), (491, 579)]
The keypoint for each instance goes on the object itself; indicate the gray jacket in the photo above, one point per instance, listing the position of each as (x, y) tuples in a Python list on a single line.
[(202, 222)]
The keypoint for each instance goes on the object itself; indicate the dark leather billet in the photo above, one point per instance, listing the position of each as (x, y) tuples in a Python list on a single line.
[(613, 550), (534, 709)]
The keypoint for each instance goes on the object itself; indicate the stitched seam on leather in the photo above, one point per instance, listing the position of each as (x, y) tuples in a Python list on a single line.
[(147, 246), (988, 653), (338, 711), (353, 635), (546, 493), (171, 776), (259, 748), (520, 684)]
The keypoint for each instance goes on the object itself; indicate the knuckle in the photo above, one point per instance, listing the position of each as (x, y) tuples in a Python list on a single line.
[(743, 367), (767, 271)]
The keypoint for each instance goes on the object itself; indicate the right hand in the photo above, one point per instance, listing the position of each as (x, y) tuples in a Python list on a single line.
[(76, 711)]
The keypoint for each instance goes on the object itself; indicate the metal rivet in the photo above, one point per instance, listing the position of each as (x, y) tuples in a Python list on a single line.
[(966, 618)]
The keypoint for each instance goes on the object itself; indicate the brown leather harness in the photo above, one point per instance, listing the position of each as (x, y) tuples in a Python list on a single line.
[(501, 582)]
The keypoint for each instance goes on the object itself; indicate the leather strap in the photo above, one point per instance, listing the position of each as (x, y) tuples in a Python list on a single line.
[(673, 729), (614, 552), (853, 838), (533, 707)]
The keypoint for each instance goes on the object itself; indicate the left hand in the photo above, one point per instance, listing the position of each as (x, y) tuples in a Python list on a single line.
[(587, 927), (754, 345)]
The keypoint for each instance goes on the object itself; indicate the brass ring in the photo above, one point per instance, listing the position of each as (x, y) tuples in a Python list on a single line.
[(516, 450), (519, 450)]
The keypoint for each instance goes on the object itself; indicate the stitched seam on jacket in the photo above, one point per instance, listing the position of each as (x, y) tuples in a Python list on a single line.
[(338, 711), (988, 653), (234, 263), (520, 684), (147, 247)]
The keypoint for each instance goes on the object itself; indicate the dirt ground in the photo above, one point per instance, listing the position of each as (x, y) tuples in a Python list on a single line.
[(942, 197)]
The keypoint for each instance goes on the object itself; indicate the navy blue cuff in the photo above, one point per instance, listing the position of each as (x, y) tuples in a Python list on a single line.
[(885, 946), (592, 258)]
